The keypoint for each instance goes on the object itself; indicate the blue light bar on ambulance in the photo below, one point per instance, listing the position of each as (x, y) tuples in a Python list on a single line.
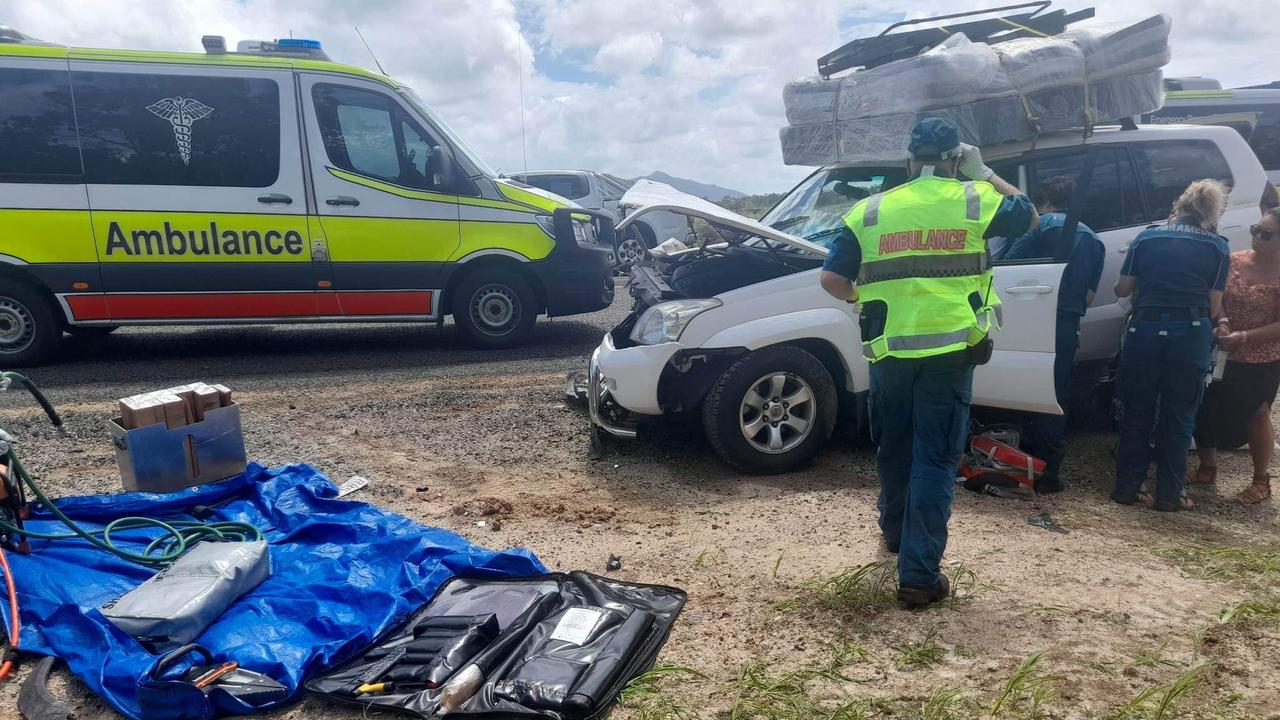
[(299, 43)]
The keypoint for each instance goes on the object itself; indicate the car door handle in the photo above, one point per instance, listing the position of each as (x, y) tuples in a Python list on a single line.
[(1029, 289), (275, 199), (342, 200)]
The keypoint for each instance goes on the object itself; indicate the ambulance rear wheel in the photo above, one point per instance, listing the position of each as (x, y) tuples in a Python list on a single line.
[(29, 327), (771, 411), (494, 308)]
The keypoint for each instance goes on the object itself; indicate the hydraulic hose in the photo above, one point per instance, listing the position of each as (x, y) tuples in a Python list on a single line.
[(176, 537)]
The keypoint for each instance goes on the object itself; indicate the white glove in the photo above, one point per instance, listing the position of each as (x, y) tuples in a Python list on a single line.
[(971, 163)]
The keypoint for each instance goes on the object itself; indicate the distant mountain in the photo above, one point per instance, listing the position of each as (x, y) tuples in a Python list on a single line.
[(714, 193)]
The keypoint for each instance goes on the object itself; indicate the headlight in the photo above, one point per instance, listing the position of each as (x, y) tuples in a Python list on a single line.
[(548, 225), (583, 232), (665, 322)]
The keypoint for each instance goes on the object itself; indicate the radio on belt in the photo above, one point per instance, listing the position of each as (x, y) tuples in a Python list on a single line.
[(178, 438)]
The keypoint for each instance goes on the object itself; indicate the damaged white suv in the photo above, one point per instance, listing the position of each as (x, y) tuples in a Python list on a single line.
[(740, 330)]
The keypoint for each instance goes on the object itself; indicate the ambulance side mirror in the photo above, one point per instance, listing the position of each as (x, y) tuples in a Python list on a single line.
[(440, 166)]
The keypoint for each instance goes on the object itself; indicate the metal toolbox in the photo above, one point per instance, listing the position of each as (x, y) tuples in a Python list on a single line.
[(158, 459)]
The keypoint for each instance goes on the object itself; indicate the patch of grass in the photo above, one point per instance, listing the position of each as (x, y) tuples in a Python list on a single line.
[(647, 698), (1154, 658), (758, 692), (1105, 668), (949, 704), (866, 587), (1218, 562), (965, 585), (1162, 701), (1047, 610), (777, 564), (1026, 691), (1263, 610), (925, 653)]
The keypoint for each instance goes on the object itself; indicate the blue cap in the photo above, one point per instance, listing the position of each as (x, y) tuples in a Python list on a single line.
[(934, 139)]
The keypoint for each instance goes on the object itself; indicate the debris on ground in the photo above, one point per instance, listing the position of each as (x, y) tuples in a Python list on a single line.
[(1044, 521), (613, 564)]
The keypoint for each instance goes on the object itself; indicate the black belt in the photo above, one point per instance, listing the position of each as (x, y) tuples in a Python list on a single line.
[(1175, 314)]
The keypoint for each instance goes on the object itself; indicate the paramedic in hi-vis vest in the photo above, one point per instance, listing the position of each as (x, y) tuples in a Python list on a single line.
[(915, 258)]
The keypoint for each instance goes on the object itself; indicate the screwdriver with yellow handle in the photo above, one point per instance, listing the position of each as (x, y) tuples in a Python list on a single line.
[(390, 686)]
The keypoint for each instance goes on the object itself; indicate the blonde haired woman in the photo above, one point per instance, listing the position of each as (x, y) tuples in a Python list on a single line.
[(1177, 271)]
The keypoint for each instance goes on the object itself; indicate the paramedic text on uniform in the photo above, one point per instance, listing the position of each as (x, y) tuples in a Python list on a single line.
[(916, 256), (1178, 271)]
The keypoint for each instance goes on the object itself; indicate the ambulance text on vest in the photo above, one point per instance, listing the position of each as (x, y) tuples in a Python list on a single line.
[(916, 240), (171, 241)]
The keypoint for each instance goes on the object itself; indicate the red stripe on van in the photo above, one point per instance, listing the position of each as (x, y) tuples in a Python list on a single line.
[(416, 302), (174, 306), (88, 307)]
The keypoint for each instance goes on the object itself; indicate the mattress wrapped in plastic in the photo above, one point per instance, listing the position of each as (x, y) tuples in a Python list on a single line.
[(994, 93)]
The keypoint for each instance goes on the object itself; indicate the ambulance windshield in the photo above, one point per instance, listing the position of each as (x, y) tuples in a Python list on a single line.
[(459, 146)]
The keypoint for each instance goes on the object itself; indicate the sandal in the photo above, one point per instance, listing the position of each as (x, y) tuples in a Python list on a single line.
[(1204, 475), (1258, 491)]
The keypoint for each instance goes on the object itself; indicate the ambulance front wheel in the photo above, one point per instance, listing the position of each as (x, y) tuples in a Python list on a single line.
[(494, 308), (29, 325)]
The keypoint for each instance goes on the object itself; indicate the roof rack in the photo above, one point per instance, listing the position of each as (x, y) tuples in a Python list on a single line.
[(884, 48)]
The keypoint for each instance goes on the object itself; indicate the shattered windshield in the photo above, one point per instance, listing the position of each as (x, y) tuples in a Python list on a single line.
[(815, 209)]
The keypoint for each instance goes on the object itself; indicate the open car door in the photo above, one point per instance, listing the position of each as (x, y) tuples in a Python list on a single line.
[(1020, 373)]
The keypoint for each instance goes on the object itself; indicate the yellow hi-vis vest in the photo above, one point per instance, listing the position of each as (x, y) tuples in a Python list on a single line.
[(924, 257)]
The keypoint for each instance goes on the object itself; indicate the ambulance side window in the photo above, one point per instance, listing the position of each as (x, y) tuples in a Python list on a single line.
[(37, 128), (188, 130), (368, 133)]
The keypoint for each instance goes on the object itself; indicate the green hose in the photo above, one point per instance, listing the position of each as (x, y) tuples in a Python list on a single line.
[(177, 537)]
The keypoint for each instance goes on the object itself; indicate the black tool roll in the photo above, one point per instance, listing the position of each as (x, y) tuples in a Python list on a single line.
[(556, 646)]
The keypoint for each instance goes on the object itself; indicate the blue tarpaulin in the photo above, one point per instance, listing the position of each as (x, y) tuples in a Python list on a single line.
[(343, 572)]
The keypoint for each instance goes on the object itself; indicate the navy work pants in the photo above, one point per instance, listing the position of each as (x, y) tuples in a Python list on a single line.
[(1162, 375), (919, 422), (1047, 434)]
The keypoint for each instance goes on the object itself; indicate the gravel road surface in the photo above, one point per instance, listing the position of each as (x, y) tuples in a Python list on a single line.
[(409, 407)]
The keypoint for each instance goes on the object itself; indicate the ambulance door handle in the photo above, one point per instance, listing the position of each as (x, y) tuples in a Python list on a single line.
[(275, 198), (342, 200), (1029, 289)]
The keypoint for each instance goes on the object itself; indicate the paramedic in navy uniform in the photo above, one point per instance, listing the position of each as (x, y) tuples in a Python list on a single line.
[(1178, 272)]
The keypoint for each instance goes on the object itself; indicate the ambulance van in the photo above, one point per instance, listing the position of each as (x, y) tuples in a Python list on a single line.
[(264, 185)]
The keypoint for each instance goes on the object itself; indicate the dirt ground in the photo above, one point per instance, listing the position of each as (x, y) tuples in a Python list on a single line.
[(1126, 606)]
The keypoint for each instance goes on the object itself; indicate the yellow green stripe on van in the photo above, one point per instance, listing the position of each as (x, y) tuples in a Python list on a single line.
[(47, 236), (181, 58), (361, 239), (1199, 94), (527, 239), (525, 197), (404, 192)]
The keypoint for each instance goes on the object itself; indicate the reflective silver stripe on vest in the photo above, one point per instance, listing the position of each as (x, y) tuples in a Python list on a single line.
[(972, 202), (871, 215), (928, 342), (923, 266)]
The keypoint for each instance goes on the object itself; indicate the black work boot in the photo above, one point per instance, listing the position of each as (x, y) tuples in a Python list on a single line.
[(918, 598), (1048, 484)]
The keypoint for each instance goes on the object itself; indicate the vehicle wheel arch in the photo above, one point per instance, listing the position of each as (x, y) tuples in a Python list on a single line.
[(491, 262), (13, 273)]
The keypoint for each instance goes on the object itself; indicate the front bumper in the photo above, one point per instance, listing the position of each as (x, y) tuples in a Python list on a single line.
[(632, 374), (578, 278)]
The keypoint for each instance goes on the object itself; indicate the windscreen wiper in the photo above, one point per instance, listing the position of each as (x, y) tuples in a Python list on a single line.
[(781, 224)]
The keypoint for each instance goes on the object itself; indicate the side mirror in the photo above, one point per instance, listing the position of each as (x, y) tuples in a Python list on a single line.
[(440, 166)]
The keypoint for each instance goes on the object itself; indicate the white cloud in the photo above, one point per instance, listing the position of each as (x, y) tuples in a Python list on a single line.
[(628, 54), (691, 87)]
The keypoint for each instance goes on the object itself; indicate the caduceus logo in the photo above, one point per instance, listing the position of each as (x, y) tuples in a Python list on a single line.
[(181, 112)]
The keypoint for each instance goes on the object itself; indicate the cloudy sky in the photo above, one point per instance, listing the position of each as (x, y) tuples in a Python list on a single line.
[(690, 87)]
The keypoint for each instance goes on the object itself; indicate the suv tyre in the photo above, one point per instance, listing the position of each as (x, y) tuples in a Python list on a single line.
[(771, 411)]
